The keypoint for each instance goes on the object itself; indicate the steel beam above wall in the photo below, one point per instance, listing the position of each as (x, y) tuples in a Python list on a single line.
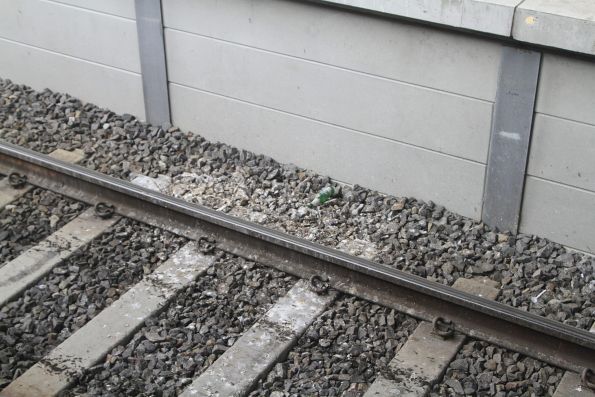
[(151, 48), (510, 137)]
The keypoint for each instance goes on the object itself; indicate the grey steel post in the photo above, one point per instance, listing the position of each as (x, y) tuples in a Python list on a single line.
[(510, 137), (151, 48)]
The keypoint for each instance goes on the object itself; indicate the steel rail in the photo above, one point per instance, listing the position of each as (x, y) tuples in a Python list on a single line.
[(551, 341)]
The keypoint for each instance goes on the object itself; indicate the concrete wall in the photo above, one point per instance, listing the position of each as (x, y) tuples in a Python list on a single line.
[(401, 107), (86, 48), (397, 107), (559, 200)]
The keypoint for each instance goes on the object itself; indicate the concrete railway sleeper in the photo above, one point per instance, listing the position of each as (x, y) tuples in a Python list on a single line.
[(210, 317)]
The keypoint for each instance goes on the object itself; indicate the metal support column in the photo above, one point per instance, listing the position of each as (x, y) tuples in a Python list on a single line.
[(151, 47), (510, 137)]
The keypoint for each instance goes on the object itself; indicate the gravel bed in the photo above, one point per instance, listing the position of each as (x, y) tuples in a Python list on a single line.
[(481, 369), (341, 353), (75, 291), (190, 334), (31, 218), (419, 237)]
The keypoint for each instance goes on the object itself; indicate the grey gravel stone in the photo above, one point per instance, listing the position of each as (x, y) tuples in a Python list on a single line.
[(31, 218), (76, 290), (341, 353), (481, 369), (405, 233), (190, 334)]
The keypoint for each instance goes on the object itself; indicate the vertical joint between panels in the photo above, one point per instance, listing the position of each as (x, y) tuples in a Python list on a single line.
[(510, 137), (151, 46)]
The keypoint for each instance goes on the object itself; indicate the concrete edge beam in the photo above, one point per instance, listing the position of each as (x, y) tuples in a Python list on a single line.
[(571, 385), (112, 326), (23, 271), (70, 156), (265, 343), (8, 194), (479, 286), (425, 356), (488, 16), (419, 364), (568, 26)]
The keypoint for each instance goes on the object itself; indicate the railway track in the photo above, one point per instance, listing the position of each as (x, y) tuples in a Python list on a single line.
[(284, 288)]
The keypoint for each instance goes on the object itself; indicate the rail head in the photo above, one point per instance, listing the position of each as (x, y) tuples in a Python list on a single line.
[(533, 335)]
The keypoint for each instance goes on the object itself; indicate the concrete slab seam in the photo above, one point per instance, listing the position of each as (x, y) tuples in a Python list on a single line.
[(151, 47), (510, 137)]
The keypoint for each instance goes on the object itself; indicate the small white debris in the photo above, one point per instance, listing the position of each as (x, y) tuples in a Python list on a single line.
[(534, 299), (54, 219)]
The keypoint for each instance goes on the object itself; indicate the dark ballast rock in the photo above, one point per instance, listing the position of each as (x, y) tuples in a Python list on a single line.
[(31, 218), (481, 369), (76, 290), (341, 353), (419, 237), (199, 325)]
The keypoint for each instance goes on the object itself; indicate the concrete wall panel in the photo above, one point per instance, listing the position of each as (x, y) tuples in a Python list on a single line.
[(343, 154), (435, 120), (414, 54), (559, 201), (561, 213), (121, 8), (563, 151), (72, 31), (566, 88), (108, 87)]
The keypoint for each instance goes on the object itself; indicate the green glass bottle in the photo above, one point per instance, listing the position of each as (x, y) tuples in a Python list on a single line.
[(323, 196)]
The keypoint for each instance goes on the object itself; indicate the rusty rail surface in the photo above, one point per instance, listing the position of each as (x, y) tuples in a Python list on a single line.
[(544, 339)]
